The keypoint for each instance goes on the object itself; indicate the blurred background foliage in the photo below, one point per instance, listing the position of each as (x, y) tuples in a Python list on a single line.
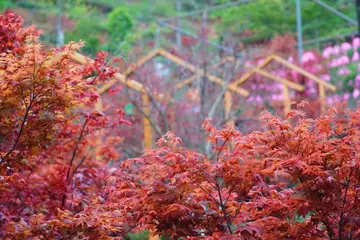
[(119, 24)]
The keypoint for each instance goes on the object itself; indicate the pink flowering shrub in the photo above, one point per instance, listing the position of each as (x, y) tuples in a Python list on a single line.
[(343, 64)]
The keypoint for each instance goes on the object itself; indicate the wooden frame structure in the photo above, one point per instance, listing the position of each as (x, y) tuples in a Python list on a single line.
[(177, 60), (274, 58), (230, 88), (194, 69), (132, 84), (228, 95)]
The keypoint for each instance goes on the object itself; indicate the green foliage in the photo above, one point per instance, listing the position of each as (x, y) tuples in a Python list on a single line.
[(4, 4), (87, 30), (142, 236), (138, 236), (267, 18), (119, 24)]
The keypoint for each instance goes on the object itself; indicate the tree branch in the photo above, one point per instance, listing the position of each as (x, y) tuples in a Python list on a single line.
[(73, 157)]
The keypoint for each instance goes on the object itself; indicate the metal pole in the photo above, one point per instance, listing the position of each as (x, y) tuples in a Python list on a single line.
[(178, 34), (358, 15), (325, 39), (157, 37), (299, 29), (336, 12)]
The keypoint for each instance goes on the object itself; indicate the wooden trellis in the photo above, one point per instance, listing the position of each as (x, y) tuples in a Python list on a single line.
[(285, 82), (132, 84), (186, 65), (198, 72), (228, 95), (230, 88)]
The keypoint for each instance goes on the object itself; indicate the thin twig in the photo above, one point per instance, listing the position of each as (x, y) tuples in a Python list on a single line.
[(73, 157), (80, 163)]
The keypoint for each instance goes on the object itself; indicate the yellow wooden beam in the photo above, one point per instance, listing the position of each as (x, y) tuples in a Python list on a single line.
[(215, 79), (186, 82), (228, 106), (284, 81), (140, 62), (118, 77), (304, 73), (287, 100), (80, 58), (148, 138), (248, 75), (322, 97)]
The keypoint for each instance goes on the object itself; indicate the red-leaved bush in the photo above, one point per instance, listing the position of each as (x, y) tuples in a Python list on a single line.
[(298, 179)]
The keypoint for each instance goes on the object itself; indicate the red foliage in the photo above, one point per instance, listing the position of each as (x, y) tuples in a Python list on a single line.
[(290, 182), (296, 181), (12, 35), (49, 158)]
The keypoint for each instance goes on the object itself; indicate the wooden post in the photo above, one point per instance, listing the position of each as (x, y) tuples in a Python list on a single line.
[(148, 138), (227, 107), (287, 100), (322, 97)]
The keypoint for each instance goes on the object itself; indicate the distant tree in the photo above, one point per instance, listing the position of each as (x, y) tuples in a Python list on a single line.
[(119, 24)]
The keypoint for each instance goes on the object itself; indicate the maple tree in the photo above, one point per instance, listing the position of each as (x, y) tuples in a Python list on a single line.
[(60, 177), (49, 133)]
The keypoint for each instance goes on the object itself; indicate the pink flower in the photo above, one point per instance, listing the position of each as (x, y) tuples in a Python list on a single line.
[(333, 63), (325, 77), (327, 52), (294, 75), (345, 46), (356, 93), (308, 56), (312, 90), (357, 78), (357, 83), (356, 43), (355, 57), (346, 96), (278, 86), (343, 71), (336, 50), (345, 59), (282, 73), (330, 100), (258, 62), (258, 99)]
